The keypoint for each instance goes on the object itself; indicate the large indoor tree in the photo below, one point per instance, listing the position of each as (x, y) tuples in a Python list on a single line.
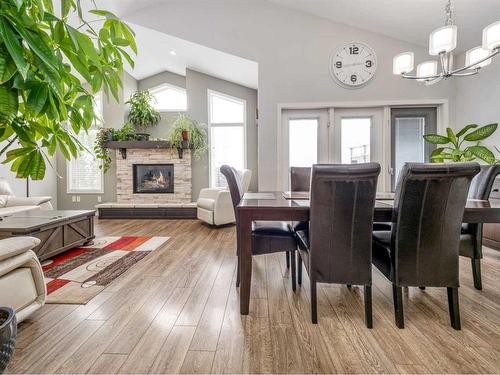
[(52, 61)]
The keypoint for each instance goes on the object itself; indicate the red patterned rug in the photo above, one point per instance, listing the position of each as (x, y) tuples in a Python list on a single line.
[(78, 275)]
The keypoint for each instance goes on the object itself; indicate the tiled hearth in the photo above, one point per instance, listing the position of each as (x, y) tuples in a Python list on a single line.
[(182, 176)]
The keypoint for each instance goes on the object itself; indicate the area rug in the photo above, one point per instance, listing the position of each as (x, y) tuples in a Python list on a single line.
[(78, 275)]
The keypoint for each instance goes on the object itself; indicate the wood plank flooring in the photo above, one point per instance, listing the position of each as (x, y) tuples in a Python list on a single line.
[(177, 311)]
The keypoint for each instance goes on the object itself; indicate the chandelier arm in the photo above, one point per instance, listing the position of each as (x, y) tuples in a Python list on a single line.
[(466, 74), (444, 68), (404, 75), (495, 52)]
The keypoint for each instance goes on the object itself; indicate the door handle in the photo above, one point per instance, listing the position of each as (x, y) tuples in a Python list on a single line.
[(390, 170)]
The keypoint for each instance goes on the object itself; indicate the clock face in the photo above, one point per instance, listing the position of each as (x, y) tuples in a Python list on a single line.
[(353, 64)]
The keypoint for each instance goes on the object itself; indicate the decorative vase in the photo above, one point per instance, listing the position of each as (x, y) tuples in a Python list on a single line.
[(185, 135), (8, 332)]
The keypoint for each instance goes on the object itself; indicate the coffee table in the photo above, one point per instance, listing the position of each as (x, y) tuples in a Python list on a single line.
[(57, 230)]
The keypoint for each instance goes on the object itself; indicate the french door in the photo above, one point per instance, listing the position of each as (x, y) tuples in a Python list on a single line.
[(408, 126)]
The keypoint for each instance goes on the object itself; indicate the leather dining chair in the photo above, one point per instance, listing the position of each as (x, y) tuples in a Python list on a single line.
[(337, 247), (422, 247), (267, 236), (471, 239)]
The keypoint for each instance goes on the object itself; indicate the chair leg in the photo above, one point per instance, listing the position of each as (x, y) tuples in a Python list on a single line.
[(421, 287), (238, 273), (368, 306), (287, 259), (397, 294), (348, 286), (299, 269), (476, 273), (454, 308), (314, 303), (293, 265)]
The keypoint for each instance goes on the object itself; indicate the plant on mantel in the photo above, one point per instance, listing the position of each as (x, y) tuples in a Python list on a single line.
[(186, 130), (105, 135), (464, 145), (142, 113), (43, 102)]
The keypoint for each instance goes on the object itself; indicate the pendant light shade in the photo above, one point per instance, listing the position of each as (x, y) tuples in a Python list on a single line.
[(402, 63), (491, 36), (443, 40), (474, 55), (427, 69)]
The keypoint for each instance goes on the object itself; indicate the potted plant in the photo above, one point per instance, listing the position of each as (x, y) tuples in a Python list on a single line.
[(464, 145), (104, 135), (142, 114), (186, 132), (8, 333)]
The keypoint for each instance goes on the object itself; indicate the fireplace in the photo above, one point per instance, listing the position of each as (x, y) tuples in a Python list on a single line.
[(153, 178)]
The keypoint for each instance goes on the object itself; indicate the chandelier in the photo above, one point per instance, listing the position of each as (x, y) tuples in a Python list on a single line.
[(442, 42)]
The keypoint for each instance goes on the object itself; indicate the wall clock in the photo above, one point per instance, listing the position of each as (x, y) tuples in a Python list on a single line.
[(353, 65)]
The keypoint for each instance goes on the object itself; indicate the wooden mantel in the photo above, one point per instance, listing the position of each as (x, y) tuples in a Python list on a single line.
[(124, 145)]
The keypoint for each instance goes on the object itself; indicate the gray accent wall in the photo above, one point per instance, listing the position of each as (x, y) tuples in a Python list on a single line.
[(197, 85)]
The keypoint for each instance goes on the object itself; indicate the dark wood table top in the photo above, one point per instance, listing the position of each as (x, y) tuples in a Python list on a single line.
[(32, 220), (476, 211)]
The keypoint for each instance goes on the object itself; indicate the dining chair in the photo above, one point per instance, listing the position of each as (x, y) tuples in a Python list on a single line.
[(337, 246), (471, 239), (422, 247), (267, 236)]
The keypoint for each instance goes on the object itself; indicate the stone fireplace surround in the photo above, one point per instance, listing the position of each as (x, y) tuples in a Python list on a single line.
[(182, 176)]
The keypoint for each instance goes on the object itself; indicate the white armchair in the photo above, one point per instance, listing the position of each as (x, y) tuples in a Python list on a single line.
[(22, 285), (214, 205)]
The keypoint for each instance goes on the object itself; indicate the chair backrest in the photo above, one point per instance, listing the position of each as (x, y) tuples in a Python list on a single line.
[(480, 187), (300, 178), (341, 220), (245, 177), (233, 183), (428, 211)]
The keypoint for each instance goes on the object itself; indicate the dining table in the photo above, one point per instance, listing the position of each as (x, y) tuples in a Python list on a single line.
[(294, 206)]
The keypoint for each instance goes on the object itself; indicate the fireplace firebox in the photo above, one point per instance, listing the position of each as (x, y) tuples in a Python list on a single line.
[(153, 178)]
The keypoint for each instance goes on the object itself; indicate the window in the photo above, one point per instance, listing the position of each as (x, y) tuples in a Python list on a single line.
[(355, 140), (303, 144), (227, 135), (169, 98), (84, 174)]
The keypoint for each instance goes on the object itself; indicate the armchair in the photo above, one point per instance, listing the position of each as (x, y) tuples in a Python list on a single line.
[(22, 284), (214, 205), (10, 204)]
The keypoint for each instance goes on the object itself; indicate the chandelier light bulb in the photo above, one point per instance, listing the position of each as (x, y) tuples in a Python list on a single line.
[(475, 55), (491, 36), (402, 63), (427, 69), (443, 40)]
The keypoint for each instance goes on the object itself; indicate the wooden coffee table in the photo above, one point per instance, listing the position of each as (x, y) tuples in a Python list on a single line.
[(57, 230)]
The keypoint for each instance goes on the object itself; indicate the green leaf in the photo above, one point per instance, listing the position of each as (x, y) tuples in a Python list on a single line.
[(65, 7), (451, 136), (481, 133), (37, 167), (437, 151), (19, 4), (483, 153), (13, 45), (59, 32), (37, 98), (465, 129), (437, 139), (105, 13), (85, 44), (8, 102), (7, 67)]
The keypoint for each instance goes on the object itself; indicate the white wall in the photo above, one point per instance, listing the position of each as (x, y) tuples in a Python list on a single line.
[(292, 50), (478, 99)]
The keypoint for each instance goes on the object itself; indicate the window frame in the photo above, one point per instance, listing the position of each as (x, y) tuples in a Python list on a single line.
[(154, 89), (69, 190), (211, 93)]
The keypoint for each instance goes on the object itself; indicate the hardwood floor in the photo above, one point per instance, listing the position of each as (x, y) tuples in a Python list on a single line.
[(177, 311)]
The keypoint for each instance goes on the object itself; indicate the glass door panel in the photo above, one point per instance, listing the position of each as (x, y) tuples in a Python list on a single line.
[(303, 142), (355, 136), (408, 128)]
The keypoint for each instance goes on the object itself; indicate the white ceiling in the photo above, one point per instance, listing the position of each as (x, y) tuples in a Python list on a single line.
[(154, 57), (407, 20)]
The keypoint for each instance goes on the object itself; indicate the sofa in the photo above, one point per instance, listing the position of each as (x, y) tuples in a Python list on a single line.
[(10, 204), (214, 205), (22, 284)]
